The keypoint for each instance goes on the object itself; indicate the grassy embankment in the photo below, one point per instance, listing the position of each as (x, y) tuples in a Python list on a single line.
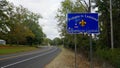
[(6, 49), (66, 60), (111, 56)]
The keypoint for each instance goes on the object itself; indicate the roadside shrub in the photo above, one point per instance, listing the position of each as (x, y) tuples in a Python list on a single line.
[(112, 56)]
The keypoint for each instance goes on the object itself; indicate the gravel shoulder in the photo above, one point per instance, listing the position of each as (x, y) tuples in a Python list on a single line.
[(66, 60)]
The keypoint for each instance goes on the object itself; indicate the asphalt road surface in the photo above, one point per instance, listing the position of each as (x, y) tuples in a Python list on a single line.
[(34, 59)]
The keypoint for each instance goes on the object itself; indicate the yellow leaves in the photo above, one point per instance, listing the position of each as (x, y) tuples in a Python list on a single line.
[(28, 32), (19, 32)]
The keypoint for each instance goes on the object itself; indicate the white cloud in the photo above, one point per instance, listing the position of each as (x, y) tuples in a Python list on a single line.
[(47, 8)]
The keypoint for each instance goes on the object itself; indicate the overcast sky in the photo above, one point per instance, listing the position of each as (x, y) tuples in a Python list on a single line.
[(48, 9)]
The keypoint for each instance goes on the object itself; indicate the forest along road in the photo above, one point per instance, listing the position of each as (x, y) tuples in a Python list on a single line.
[(33, 59)]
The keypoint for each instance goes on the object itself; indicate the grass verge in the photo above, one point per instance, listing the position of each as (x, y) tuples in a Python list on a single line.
[(14, 49)]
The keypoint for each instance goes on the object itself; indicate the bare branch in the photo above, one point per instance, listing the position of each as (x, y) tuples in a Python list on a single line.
[(86, 4), (83, 6)]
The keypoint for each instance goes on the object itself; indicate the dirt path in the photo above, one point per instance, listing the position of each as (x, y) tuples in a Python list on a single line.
[(66, 60)]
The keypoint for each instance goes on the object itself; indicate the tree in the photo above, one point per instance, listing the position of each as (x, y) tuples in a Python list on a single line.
[(104, 10), (71, 6), (57, 41), (5, 8), (18, 25), (18, 34)]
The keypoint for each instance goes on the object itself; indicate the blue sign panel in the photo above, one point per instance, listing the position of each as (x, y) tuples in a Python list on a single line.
[(82, 23)]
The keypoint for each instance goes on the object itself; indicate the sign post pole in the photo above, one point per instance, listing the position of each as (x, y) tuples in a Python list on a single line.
[(91, 53), (75, 51)]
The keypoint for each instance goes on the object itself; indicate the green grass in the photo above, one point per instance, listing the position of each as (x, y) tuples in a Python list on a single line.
[(112, 56), (14, 49)]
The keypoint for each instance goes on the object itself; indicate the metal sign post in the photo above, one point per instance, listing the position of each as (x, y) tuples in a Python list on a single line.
[(75, 52), (91, 53)]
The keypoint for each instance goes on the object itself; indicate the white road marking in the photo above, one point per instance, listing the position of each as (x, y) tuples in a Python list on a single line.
[(27, 59), (23, 54)]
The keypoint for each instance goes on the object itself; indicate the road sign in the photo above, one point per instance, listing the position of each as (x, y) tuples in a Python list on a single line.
[(82, 23)]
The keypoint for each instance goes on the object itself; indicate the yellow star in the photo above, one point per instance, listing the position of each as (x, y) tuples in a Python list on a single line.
[(82, 23)]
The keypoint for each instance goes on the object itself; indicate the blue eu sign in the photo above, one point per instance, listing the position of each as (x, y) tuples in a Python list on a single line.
[(82, 23)]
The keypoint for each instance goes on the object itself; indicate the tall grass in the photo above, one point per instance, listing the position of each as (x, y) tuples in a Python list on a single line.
[(112, 56)]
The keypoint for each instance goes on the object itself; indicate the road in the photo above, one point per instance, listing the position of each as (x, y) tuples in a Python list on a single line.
[(34, 59)]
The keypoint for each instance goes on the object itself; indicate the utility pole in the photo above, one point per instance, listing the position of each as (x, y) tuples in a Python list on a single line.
[(91, 52), (89, 8), (111, 23)]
